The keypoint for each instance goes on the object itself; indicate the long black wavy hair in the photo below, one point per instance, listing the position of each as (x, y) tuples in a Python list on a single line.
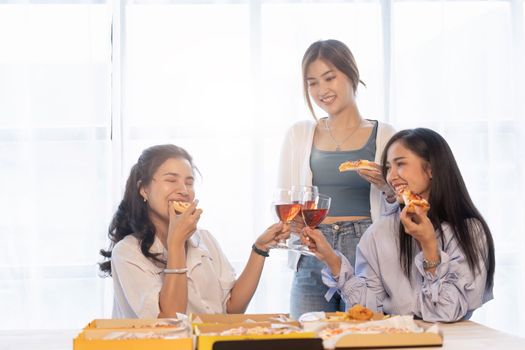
[(131, 217), (449, 201)]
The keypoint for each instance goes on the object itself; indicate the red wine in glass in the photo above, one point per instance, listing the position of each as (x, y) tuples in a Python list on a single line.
[(286, 209), (315, 209), (287, 212), (313, 217)]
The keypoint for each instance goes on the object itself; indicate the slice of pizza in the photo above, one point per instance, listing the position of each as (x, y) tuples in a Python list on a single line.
[(180, 206), (353, 165), (412, 200)]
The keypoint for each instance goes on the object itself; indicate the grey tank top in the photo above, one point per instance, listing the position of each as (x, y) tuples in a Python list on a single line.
[(350, 192)]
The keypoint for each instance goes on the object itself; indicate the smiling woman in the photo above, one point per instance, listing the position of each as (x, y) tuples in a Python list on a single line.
[(311, 155), (161, 262), (437, 265)]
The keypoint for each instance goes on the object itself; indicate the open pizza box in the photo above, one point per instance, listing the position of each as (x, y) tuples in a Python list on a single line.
[(238, 318), (208, 334), (380, 332), (132, 339), (362, 341), (335, 317)]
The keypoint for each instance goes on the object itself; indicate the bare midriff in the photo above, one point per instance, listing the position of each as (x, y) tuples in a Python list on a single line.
[(333, 219)]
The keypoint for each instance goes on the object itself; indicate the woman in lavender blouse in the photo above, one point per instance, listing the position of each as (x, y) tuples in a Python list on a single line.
[(437, 265)]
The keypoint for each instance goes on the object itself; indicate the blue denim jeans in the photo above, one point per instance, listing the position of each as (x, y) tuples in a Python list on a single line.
[(308, 289)]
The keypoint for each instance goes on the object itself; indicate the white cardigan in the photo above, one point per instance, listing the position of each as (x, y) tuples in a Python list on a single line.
[(294, 165)]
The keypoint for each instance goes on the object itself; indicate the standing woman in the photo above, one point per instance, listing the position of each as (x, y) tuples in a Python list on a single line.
[(311, 155), (162, 263)]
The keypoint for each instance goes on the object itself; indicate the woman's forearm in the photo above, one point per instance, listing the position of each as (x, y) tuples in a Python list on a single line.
[(246, 285), (173, 296), (334, 264)]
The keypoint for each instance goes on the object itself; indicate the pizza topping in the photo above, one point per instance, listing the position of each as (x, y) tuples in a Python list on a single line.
[(412, 200), (123, 335), (258, 330)]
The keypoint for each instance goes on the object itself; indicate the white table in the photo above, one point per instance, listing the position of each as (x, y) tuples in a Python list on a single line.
[(467, 335)]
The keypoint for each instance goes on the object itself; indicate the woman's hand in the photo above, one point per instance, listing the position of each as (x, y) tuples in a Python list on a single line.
[(182, 226), (419, 226), (375, 177), (317, 243), (272, 235)]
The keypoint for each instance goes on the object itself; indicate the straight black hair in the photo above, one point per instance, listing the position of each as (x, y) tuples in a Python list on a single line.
[(449, 201)]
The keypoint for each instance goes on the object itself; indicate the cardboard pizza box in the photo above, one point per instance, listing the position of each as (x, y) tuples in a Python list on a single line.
[(93, 339), (206, 341)]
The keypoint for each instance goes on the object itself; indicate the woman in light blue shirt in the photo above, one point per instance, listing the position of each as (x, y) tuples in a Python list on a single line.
[(437, 265)]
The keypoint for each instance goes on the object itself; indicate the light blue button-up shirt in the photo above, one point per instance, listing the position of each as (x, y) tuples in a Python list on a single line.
[(379, 283)]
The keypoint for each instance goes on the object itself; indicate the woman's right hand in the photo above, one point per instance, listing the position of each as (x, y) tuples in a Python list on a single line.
[(182, 226), (317, 243)]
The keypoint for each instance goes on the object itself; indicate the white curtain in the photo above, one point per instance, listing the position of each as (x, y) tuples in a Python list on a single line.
[(86, 86), (55, 161)]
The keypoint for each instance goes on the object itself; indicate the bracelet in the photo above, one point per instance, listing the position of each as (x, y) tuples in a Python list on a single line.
[(179, 271), (429, 264), (260, 251)]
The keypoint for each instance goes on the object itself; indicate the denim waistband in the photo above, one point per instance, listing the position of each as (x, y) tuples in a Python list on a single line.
[(357, 227)]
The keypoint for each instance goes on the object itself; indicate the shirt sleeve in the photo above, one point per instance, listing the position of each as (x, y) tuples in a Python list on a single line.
[(388, 208), (225, 271), (453, 291), (284, 173), (365, 287), (139, 283), (378, 204)]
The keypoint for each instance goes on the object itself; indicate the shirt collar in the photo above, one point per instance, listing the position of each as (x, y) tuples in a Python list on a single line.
[(195, 239)]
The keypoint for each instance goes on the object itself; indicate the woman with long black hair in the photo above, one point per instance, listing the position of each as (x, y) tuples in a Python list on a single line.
[(437, 265)]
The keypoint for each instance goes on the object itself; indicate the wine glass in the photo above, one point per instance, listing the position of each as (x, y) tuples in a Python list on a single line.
[(287, 206), (314, 210), (301, 191)]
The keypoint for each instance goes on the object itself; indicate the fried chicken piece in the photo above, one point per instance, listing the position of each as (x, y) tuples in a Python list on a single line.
[(360, 313)]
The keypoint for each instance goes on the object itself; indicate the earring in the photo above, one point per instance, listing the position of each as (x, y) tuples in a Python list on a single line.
[(145, 199)]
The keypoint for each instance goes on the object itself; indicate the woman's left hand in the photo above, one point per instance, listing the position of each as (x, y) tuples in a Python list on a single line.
[(375, 177), (272, 235), (419, 226)]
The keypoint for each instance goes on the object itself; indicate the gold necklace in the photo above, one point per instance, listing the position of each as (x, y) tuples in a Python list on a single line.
[(339, 144)]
